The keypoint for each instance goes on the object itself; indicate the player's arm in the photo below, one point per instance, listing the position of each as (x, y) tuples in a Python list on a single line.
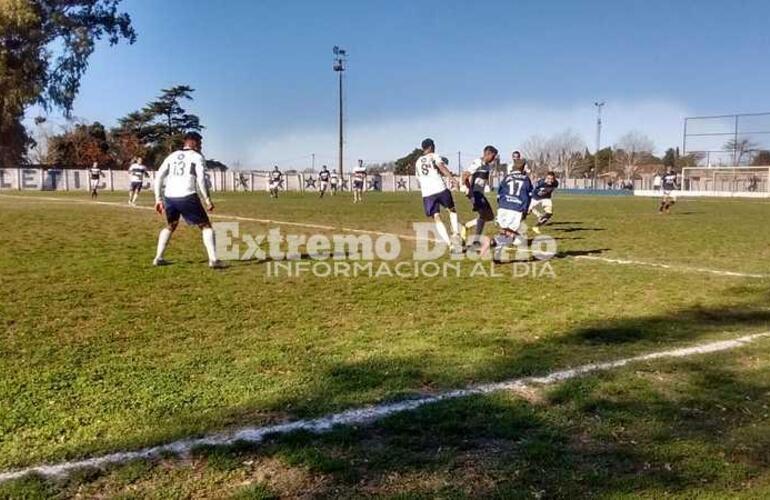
[(158, 188), (200, 179), (445, 172)]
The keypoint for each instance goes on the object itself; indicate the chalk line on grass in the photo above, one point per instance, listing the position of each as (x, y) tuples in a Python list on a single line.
[(671, 267), (368, 414), (400, 236)]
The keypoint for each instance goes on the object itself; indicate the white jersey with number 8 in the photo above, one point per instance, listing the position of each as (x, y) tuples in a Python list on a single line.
[(428, 174)]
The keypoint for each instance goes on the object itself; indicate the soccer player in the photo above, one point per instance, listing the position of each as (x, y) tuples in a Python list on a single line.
[(542, 204), (513, 197), (179, 188), (334, 182), (95, 175), (359, 178), (324, 177), (431, 169), (670, 185), (275, 182), (137, 172), (475, 180)]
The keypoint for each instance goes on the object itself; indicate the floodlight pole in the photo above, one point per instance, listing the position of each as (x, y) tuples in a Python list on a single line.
[(599, 106), (339, 67)]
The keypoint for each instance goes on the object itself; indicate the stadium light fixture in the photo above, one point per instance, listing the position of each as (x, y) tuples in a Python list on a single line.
[(340, 57)]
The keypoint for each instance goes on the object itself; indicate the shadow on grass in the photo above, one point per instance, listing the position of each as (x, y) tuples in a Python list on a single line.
[(538, 448), (685, 427)]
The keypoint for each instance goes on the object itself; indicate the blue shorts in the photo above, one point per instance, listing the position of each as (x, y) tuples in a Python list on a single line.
[(480, 202), (136, 185), (189, 207), (358, 185), (434, 202)]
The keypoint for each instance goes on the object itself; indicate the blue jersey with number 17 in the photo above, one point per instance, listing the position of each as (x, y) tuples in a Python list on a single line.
[(515, 192)]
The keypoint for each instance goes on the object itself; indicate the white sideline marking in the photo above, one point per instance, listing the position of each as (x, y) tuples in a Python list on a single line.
[(380, 233), (672, 267), (368, 414)]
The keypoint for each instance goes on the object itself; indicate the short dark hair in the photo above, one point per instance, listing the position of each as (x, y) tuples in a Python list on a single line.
[(428, 143), (551, 173), (491, 149), (193, 136), (516, 153)]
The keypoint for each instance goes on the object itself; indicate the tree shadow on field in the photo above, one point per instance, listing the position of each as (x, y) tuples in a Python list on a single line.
[(587, 436), (674, 426)]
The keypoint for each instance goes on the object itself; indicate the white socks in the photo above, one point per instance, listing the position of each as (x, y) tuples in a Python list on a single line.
[(442, 232), (163, 237), (208, 242), (455, 222)]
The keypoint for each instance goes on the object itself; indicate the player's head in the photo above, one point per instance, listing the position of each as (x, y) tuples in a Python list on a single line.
[(516, 156), (324, 168), (428, 146), (490, 154), (670, 170), (95, 165), (193, 140), (275, 167), (445, 160), (139, 160), (550, 177)]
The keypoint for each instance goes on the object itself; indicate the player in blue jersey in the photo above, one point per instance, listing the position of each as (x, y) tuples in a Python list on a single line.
[(670, 186), (513, 198), (474, 181), (324, 177), (542, 204)]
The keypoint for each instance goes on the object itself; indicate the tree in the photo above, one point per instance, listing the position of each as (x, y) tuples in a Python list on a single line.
[(761, 159), (564, 148), (80, 145), (44, 51), (405, 165), (631, 150), (739, 148), (158, 128)]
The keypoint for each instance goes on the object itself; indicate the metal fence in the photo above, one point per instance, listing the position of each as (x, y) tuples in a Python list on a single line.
[(726, 140)]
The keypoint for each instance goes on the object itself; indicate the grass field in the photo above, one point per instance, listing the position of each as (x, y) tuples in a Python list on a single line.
[(102, 352)]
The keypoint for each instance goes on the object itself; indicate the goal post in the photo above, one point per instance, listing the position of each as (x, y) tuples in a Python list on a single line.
[(727, 181)]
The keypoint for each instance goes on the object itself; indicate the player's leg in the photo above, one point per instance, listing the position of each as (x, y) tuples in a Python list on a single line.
[(207, 233), (163, 239)]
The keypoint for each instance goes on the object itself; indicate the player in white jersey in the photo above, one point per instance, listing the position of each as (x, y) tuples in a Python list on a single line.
[(137, 172), (359, 180), (431, 169), (179, 187), (334, 182), (324, 176), (475, 180), (95, 175), (275, 181)]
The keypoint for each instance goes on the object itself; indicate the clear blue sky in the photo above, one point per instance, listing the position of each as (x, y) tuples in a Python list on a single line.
[(465, 72)]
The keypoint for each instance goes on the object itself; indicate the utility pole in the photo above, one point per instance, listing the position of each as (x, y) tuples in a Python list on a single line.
[(459, 168), (599, 106), (340, 56)]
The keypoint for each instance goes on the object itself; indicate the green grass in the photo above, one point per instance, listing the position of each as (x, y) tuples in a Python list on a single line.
[(101, 352)]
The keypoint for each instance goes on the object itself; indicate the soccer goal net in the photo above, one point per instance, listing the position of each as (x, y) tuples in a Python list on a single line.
[(730, 180)]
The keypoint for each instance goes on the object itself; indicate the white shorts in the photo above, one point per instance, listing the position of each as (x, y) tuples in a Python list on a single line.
[(670, 195), (508, 219), (275, 184), (544, 205), (324, 185)]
